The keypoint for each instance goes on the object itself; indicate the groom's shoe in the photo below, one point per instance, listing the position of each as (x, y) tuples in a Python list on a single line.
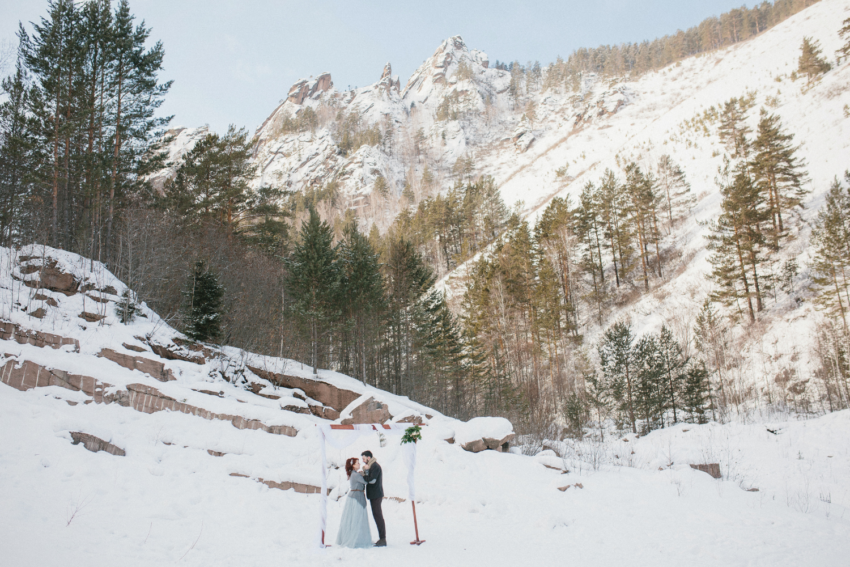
[(381, 543)]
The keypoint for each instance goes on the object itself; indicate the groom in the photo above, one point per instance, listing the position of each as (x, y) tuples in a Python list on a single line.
[(375, 494)]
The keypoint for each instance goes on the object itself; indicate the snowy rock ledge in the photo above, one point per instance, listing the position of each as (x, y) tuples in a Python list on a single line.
[(482, 433)]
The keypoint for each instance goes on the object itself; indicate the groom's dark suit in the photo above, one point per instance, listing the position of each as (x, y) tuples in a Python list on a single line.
[(375, 495)]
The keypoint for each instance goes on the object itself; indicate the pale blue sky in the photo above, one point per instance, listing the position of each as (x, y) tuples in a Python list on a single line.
[(233, 61)]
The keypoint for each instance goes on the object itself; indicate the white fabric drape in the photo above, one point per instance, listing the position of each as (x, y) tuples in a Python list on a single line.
[(410, 460), (339, 438)]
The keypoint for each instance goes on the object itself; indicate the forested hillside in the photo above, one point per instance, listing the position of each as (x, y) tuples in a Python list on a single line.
[(633, 236)]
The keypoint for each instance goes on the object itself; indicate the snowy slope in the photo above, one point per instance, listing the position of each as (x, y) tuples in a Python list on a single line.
[(661, 114)]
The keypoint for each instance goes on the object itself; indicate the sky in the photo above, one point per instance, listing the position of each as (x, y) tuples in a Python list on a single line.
[(232, 61)]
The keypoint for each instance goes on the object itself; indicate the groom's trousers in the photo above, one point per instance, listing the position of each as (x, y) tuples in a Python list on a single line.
[(379, 517)]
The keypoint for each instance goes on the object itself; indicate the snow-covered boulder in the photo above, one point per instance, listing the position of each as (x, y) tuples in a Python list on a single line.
[(365, 409), (482, 433), (549, 459)]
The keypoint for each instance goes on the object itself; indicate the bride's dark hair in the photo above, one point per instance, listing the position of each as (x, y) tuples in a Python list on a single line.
[(349, 466)]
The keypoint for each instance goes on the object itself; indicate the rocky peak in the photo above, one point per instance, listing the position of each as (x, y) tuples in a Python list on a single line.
[(307, 88), (450, 51), (388, 82)]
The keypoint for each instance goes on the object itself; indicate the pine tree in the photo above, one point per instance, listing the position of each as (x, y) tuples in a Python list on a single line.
[(844, 33), (19, 157), (811, 64), (672, 365), (438, 333), (777, 172), (52, 57), (481, 337), (712, 342), (831, 262), (695, 394), (212, 181), (644, 217), (94, 100), (263, 225), (613, 208), (733, 129), (589, 229), (617, 358), (648, 383), (203, 304), (194, 191), (737, 242), (575, 414), (235, 150), (555, 234), (599, 397), (362, 301), (675, 189), (312, 281), (407, 278), (125, 308)]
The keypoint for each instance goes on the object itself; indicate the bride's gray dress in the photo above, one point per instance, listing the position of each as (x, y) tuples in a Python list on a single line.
[(354, 525)]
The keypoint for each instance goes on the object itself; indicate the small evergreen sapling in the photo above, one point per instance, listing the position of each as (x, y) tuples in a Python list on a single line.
[(203, 304), (575, 414), (126, 307), (844, 33), (696, 394), (811, 64)]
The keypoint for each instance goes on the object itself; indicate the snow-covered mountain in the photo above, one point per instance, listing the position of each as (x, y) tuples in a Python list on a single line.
[(455, 105), (130, 445)]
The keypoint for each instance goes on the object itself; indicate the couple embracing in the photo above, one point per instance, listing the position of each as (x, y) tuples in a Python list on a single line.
[(364, 484)]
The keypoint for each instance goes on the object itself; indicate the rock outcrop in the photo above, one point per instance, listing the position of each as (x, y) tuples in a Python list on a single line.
[(150, 400), (368, 411), (485, 443), (328, 394), (25, 375), (95, 444), (483, 433), (179, 352), (286, 485), (710, 468), (150, 367), (307, 88), (12, 332), (50, 275)]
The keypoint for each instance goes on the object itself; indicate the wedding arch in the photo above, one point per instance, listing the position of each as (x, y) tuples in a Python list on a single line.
[(340, 437)]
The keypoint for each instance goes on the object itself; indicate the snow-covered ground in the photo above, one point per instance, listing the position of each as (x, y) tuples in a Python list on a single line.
[(169, 501)]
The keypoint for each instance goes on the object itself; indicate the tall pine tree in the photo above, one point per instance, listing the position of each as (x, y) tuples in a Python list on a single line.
[(737, 242), (777, 172), (831, 262), (312, 283), (617, 358)]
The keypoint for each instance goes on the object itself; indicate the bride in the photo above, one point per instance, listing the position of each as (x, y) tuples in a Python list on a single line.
[(354, 525)]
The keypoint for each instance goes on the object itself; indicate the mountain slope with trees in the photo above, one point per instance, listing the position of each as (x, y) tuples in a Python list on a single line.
[(475, 238)]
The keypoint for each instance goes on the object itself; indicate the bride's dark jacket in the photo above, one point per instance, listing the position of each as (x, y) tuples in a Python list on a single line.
[(374, 482)]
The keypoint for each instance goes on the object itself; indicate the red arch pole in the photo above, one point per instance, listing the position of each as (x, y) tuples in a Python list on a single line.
[(417, 541)]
